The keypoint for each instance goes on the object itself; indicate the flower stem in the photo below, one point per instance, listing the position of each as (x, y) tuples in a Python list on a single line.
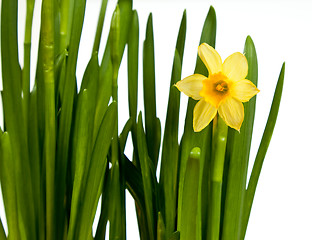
[(47, 30), (220, 131), (27, 51)]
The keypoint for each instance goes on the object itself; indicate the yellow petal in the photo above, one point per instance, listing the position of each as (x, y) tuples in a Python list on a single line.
[(243, 90), (235, 66), (191, 85), (203, 114), (210, 58), (232, 112)]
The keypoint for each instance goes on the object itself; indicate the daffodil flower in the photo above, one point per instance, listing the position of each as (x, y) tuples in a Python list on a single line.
[(222, 92)]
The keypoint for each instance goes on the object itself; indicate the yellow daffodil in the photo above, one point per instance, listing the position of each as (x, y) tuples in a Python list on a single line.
[(222, 92)]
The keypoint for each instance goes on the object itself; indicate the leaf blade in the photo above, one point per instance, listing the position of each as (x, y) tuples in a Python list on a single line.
[(264, 144), (239, 155)]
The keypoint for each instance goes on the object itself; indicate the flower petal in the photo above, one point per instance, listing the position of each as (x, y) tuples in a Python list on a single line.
[(243, 90), (210, 58), (232, 112), (235, 66), (203, 114), (191, 85)]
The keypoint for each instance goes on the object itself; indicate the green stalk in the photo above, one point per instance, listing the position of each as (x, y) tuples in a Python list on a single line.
[(99, 27), (114, 42), (189, 219), (66, 11), (220, 131), (27, 49), (117, 227), (49, 101)]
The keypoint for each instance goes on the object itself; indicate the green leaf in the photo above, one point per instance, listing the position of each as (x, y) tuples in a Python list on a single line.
[(66, 114), (95, 175), (170, 153), (264, 145), (190, 139), (125, 7), (14, 119), (80, 159), (149, 93), (190, 197), (148, 177), (239, 149), (124, 135), (181, 37), (90, 82), (133, 58), (99, 27), (161, 231), (134, 184), (101, 228), (27, 51), (35, 151), (8, 186), (104, 92)]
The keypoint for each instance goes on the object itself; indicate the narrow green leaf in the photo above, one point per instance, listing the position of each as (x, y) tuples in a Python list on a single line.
[(35, 152), (99, 27), (238, 157), (90, 82), (264, 145), (66, 19), (133, 58), (96, 172), (104, 92), (161, 231), (117, 197), (15, 122), (170, 153), (149, 92), (189, 197), (8, 186), (116, 211), (27, 49), (147, 177), (106, 68), (125, 7), (124, 135), (80, 159), (190, 139), (65, 119), (181, 38), (114, 38), (134, 184), (101, 228)]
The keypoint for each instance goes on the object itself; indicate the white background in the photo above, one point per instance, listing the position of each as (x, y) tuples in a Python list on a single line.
[(281, 31)]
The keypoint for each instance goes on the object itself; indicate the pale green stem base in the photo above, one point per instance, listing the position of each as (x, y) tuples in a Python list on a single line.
[(220, 131)]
